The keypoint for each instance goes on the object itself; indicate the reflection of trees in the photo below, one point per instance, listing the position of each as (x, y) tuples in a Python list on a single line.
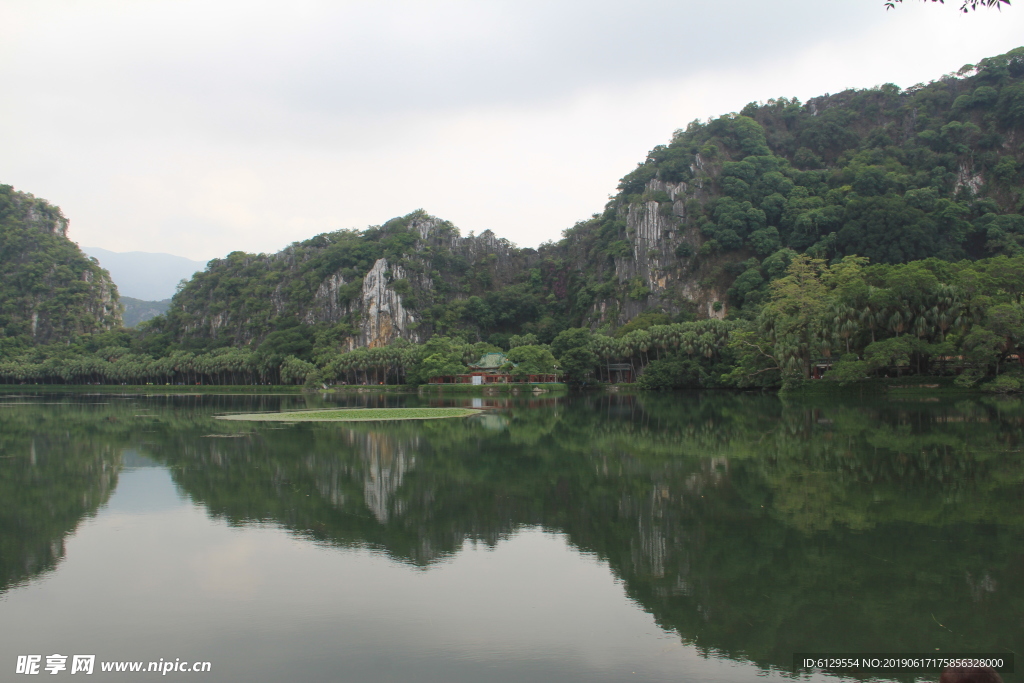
[(750, 526), (59, 462), (57, 466), (878, 524)]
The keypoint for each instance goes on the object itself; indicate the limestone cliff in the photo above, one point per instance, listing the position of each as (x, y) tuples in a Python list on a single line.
[(49, 289), (384, 317), (656, 264)]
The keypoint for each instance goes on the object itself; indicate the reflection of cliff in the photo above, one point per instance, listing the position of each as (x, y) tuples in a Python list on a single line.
[(385, 461), (748, 526), (348, 486)]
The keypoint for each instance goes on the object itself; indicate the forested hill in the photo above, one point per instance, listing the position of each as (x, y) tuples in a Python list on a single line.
[(893, 175), (49, 290), (696, 230), (413, 277)]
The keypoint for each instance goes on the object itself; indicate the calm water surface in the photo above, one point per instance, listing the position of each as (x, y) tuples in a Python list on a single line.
[(593, 538)]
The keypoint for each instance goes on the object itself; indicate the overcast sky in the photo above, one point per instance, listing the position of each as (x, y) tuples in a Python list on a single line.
[(200, 127)]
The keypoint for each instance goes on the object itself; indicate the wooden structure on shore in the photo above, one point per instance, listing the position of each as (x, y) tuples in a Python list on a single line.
[(620, 373)]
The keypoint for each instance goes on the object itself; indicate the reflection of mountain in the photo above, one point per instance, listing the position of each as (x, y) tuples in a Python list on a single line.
[(749, 526), (52, 475), (59, 462)]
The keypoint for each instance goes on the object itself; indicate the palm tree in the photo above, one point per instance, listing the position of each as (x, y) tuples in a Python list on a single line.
[(897, 322)]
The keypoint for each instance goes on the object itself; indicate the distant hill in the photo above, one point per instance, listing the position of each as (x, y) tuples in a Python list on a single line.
[(49, 290), (143, 275), (138, 311)]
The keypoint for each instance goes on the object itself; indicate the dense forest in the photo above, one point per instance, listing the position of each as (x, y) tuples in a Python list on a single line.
[(866, 233)]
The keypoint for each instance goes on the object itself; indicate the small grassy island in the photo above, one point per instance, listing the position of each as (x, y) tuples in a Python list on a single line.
[(354, 415)]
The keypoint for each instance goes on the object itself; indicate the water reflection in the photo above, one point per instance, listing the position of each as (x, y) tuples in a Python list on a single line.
[(52, 476), (749, 526)]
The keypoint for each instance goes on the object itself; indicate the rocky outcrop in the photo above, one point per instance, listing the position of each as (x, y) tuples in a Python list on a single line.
[(384, 318), (661, 269), (328, 306), (104, 307)]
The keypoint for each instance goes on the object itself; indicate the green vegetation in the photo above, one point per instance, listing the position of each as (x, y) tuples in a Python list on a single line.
[(354, 415), (866, 233), (883, 173), (925, 317), (860, 320), (523, 361), (511, 389), (458, 287), (49, 290)]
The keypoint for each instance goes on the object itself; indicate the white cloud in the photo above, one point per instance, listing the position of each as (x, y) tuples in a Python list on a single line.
[(198, 128)]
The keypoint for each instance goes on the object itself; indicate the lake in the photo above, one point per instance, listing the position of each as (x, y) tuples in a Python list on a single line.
[(595, 537)]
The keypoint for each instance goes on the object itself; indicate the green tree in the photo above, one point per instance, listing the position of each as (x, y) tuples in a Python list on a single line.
[(530, 360), (794, 315), (439, 365), (573, 349)]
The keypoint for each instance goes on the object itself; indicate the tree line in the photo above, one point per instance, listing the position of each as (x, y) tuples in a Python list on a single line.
[(849, 318)]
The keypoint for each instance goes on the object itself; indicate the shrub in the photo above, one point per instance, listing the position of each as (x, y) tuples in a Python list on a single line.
[(638, 290), (1002, 385), (402, 287), (849, 368), (673, 373)]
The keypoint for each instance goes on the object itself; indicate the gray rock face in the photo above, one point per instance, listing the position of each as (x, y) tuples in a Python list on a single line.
[(105, 305), (384, 317), (327, 305), (652, 274)]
